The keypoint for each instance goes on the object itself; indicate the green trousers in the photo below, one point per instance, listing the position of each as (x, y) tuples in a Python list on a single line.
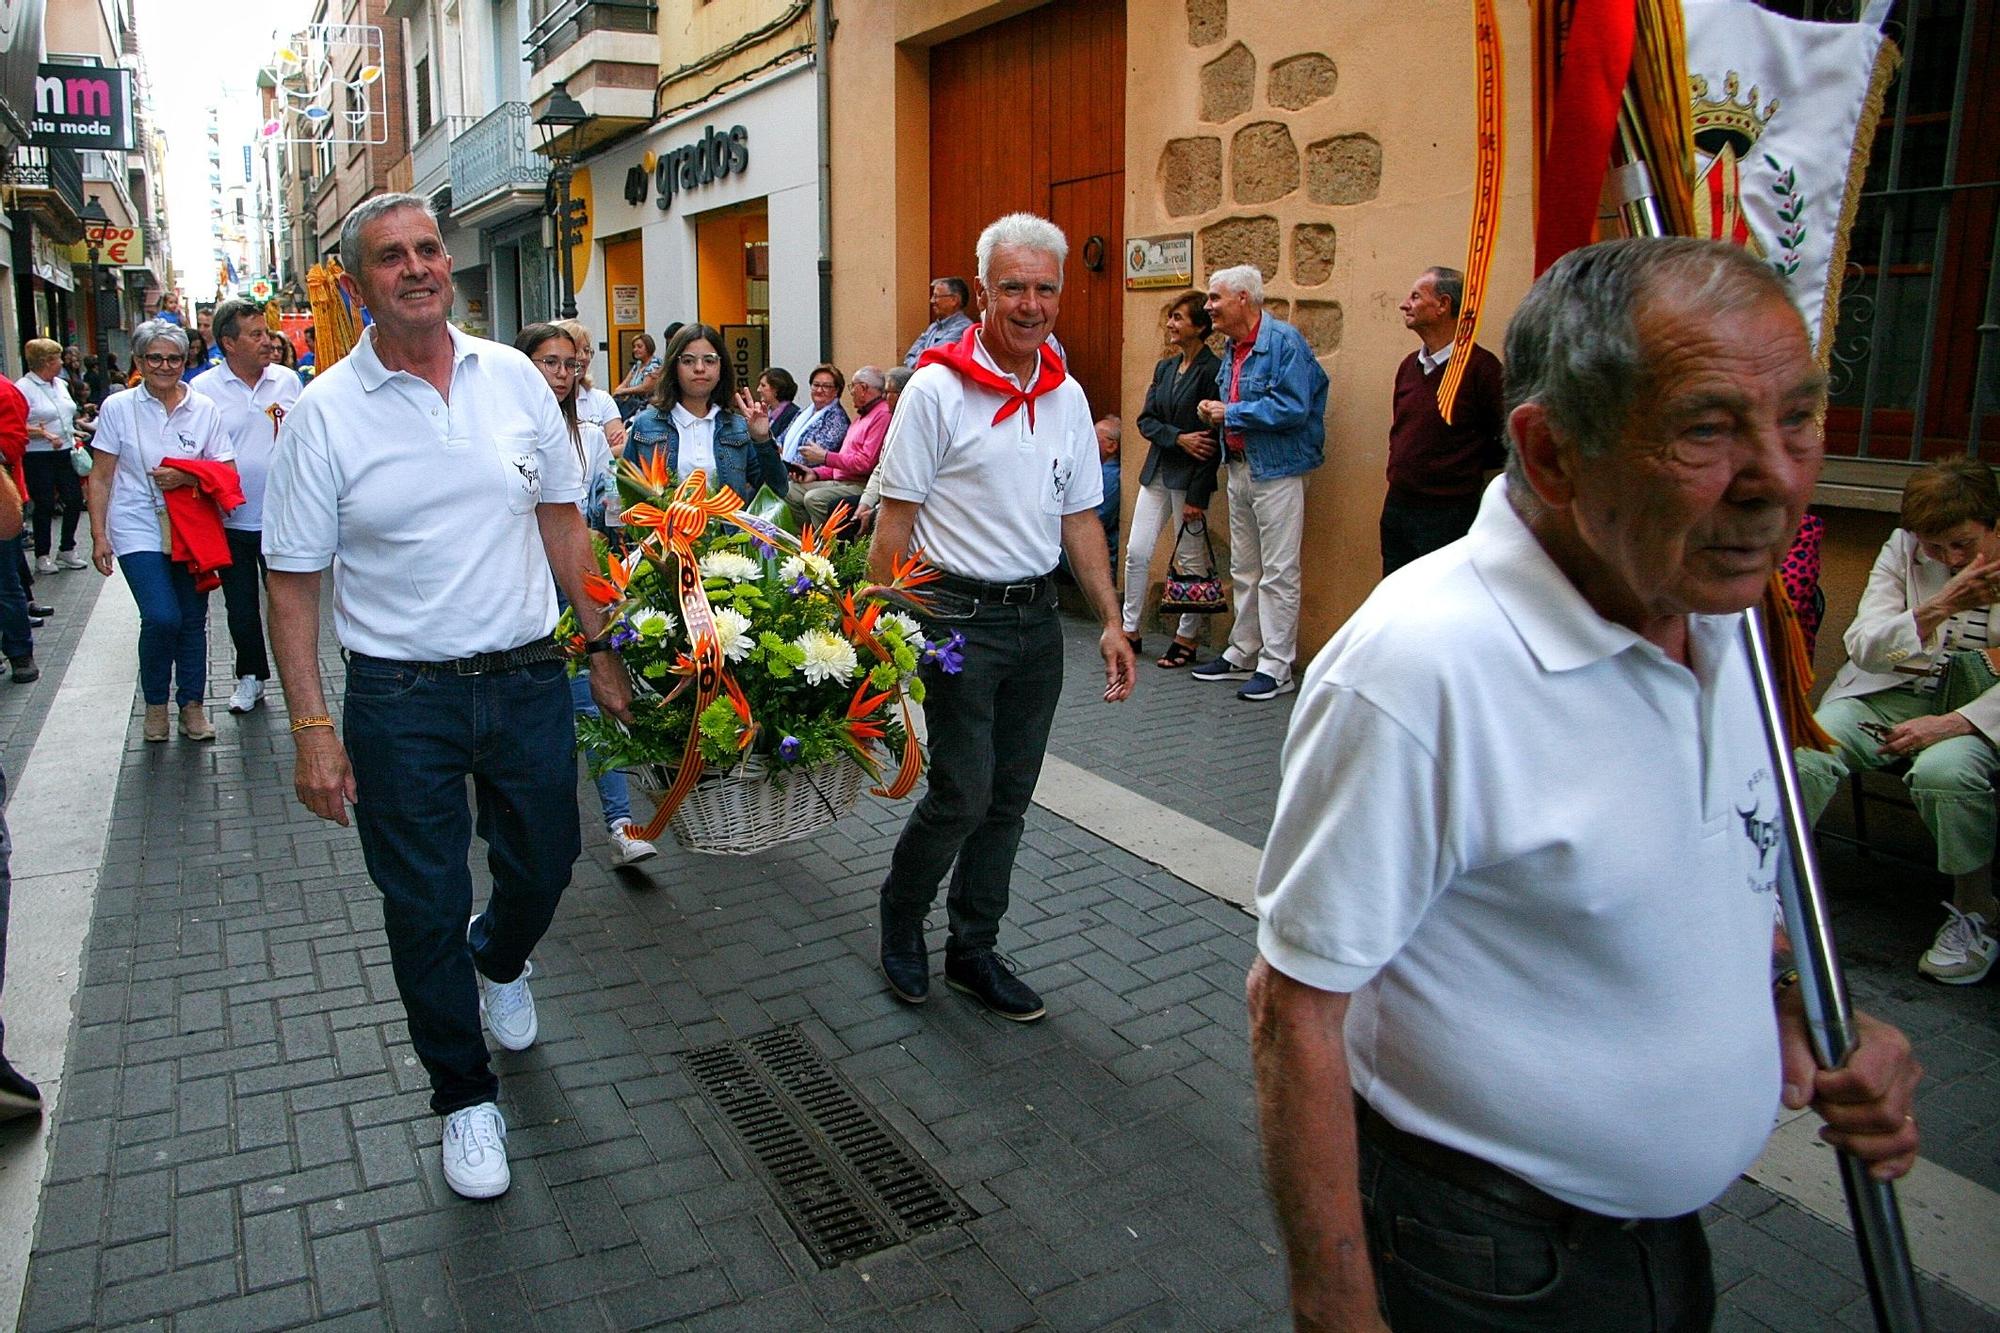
[(1951, 783)]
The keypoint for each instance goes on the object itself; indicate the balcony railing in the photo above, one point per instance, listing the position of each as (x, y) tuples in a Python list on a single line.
[(496, 153), (567, 21), (430, 156), (57, 170)]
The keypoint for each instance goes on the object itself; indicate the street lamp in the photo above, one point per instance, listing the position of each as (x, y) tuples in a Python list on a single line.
[(564, 116), (95, 220)]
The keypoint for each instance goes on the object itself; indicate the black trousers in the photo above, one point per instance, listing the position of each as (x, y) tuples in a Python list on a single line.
[(242, 585), (989, 728), (54, 487), (1409, 531), (1472, 1249)]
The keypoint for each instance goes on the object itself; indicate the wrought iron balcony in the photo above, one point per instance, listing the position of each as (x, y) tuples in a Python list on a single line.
[(49, 184), (567, 21), (496, 156), (430, 156)]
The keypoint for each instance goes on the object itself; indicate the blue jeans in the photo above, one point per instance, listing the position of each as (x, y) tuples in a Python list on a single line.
[(989, 728), (17, 636), (414, 734), (613, 793), (173, 628)]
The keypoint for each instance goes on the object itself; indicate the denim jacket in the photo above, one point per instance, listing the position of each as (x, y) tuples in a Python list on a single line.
[(1282, 407), (741, 463)]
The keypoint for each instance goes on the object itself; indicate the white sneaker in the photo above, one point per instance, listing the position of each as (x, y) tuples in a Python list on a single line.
[(475, 1152), (1963, 952), (509, 1009), (249, 691), (70, 560), (45, 564), (628, 847)]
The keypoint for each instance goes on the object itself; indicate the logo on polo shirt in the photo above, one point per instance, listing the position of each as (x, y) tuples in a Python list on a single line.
[(529, 472), (276, 411), (1765, 834)]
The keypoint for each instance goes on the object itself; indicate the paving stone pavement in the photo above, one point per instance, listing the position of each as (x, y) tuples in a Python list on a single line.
[(23, 708), (245, 1141)]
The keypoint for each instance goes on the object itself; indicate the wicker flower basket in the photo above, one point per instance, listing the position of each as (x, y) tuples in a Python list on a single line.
[(754, 805)]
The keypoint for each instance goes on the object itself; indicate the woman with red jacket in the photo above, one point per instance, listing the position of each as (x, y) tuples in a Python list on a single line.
[(139, 432)]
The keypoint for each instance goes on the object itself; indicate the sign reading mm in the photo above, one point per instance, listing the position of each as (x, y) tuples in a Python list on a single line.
[(83, 106)]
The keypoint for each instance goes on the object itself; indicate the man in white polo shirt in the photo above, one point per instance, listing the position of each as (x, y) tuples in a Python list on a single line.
[(1513, 1022), (253, 395), (433, 473), (991, 474)]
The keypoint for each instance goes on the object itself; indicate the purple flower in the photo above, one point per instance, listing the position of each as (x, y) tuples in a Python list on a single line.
[(949, 655), (624, 636), (788, 749), (765, 549), (801, 586)]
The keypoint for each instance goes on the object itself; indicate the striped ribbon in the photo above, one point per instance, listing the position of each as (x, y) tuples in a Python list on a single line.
[(1485, 232)]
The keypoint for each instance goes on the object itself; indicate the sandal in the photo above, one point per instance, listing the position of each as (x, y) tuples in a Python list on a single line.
[(1178, 654)]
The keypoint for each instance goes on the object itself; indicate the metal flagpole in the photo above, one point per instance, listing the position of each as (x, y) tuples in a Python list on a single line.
[(1871, 1203)]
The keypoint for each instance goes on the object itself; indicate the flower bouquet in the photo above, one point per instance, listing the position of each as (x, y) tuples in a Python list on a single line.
[(773, 681)]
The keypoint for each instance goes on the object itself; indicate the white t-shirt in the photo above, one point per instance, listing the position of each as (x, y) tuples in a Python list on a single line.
[(137, 429), (993, 496), (424, 508), (595, 406), (697, 442), (1543, 858), (50, 406), (251, 414)]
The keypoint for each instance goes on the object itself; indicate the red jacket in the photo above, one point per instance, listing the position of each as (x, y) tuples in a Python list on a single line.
[(14, 432), (195, 514)]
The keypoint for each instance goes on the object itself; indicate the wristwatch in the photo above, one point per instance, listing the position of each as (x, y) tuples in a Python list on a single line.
[(596, 646)]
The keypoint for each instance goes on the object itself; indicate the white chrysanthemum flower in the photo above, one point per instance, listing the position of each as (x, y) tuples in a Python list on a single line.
[(731, 565), (654, 624), (732, 631), (907, 626), (828, 656), (809, 566)]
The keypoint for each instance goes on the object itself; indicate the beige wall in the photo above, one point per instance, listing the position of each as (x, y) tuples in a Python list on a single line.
[(692, 29), (1404, 77)]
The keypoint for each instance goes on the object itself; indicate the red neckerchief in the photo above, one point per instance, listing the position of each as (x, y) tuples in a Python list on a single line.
[(959, 357)]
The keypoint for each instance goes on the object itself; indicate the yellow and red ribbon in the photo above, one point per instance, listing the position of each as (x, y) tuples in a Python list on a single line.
[(1490, 171)]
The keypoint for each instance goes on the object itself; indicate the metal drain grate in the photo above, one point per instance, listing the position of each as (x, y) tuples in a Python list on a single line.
[(847, 1182)]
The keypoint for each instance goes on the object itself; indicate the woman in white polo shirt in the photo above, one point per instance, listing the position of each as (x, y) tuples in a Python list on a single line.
[(52, 481), (137, 430), (561, 360)]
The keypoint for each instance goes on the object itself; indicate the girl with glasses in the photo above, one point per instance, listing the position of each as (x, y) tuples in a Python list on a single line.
[(703, 422), (556, 354)]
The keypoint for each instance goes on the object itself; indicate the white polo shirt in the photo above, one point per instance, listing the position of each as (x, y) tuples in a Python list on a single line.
[(1543, 858), (424, 508), (595, 406), (251, 414), (137, 429), (696, 449), (993, 496), (50, 407)]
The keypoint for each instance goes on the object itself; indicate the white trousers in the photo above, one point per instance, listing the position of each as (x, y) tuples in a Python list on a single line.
[(1156, 508), (1266, 521)]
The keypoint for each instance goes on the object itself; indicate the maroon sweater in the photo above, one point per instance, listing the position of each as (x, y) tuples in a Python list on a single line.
[(1431, 463)]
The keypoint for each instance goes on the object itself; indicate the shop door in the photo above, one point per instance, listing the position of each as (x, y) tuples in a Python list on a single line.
[(1064, 159), (624, 302)]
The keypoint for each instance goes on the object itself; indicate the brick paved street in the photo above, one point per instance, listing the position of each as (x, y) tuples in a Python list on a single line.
[(244, 1140)]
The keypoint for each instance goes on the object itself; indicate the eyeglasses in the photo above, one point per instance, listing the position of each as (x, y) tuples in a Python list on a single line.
[(559, 363), (689, 360), (161, 360)]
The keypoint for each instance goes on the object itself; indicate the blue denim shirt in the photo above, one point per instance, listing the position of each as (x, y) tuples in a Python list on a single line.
[(1281, 410), (741, 463)]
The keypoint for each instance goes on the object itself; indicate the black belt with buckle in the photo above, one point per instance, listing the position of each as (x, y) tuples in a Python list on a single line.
[(1025, 593), (483, 664), (1463, 1169)]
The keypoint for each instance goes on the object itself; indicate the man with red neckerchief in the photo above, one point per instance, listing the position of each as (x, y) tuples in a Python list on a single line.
[(990, 470)]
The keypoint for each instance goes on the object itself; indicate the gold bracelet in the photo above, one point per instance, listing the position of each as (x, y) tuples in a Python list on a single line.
[(300, 724)]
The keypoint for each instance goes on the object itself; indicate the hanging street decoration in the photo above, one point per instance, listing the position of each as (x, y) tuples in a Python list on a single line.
[(328, 86)]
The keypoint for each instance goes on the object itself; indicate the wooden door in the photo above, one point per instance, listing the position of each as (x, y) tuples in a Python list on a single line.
[(1029, 114)]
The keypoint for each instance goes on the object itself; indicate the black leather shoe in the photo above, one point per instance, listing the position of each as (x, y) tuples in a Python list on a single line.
[(905, 960), (37, 609), (25, 670), (18, 1097), (989, 979)]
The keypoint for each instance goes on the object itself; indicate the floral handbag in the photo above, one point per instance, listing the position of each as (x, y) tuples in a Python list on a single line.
[(1193, 592)]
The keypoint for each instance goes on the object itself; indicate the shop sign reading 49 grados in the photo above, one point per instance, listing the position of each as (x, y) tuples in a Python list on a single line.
[(708, 159)]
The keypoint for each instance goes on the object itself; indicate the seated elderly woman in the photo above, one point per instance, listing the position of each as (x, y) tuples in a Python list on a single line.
[(1919, 687)]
